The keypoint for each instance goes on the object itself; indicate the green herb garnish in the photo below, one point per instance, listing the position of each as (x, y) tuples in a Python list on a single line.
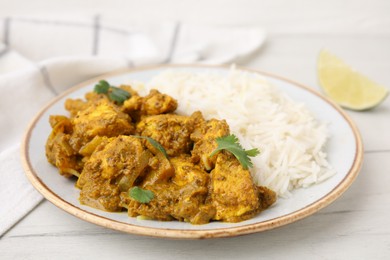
[(155, 144), (118, 95), (231, 143), (141, 195), (102, 87), (114, 93)]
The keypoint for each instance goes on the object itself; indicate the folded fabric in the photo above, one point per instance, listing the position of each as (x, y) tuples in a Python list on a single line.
[(42, 57)]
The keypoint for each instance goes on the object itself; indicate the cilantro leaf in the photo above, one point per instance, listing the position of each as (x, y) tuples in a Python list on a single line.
[(252, 152), (231, 143), (114, 93), (155, 144), (141, 195), (102, 87), (118, 95)]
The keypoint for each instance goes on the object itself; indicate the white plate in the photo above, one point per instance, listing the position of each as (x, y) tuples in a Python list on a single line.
[(345, 153)]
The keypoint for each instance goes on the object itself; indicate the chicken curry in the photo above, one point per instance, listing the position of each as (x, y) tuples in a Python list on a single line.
[(114, 145)]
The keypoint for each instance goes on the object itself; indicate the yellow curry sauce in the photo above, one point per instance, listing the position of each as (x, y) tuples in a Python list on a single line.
[(98, 143)]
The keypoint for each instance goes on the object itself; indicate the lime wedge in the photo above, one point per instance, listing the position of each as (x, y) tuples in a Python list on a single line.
[(347, 87)]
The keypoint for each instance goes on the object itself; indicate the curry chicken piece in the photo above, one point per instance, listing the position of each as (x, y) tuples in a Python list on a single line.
[(204, 137), (112, 168), (182, 197), (232, 190), (170, 130), (58, 149), (102, 118), (160, 170), (193, 188), (76, 105), (155, 103)]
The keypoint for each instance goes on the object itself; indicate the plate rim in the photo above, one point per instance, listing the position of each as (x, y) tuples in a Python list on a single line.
[(294, 216)]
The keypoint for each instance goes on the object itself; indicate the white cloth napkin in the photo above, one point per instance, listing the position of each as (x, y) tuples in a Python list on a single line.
[(41, 57)]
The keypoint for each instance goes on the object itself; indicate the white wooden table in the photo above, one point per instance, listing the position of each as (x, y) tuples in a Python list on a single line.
[(356, 226)]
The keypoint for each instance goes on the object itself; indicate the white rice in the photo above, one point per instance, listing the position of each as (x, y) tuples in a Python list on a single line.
[(290, 139)]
